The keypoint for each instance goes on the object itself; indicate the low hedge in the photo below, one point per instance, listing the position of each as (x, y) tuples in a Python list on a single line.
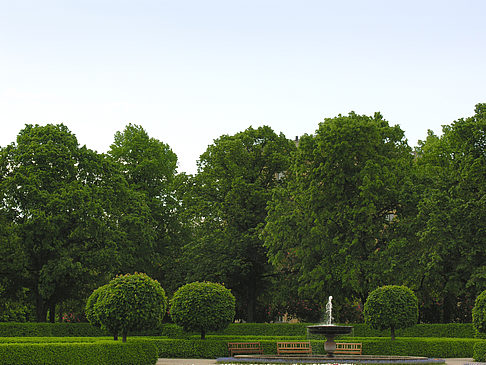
[(479, 351), (416, 346), (449, 330), (428, 347), (30, 329), (100, 353), (452, 330)]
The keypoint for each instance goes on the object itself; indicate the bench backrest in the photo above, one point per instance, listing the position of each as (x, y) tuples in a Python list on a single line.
[(294, 347), (348, 348), (244, 345)]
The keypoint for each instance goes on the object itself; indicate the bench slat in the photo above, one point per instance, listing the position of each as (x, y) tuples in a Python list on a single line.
[(244, 348), (348, 348), (294, 348)]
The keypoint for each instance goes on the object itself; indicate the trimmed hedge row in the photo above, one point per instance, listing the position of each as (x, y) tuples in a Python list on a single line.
[(100, 353), (30, 329), (427, 347), (479, 352), (452, 330)]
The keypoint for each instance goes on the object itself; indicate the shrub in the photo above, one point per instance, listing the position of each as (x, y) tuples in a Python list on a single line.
[(91, 314), (100, 352), (479, 313), (392, 307), (202, 307), (130, 303), (479, 351)]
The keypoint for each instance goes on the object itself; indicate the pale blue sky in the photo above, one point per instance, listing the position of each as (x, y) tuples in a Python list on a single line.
[(190, 71)]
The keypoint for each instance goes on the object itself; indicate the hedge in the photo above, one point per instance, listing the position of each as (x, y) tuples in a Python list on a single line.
[(479, 352), (30, 329), (100, 353), (452, 330), (427, 347)]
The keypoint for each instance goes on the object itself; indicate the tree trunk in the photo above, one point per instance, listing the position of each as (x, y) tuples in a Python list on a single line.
[(115, 337), (392, 333), (124, 337), (251, 304), (203, 334), (52, 313), (40, 308)]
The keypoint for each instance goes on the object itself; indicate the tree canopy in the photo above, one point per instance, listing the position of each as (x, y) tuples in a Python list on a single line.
[(329, 224), (283, 223), (227, 201)]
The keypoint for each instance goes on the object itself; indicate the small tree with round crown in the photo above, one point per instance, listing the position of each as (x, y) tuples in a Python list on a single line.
[(202, 307), (129, 302), (392, 307)]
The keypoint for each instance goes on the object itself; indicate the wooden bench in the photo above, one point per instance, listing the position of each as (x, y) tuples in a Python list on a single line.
[(348, 348), (244, 348), (294, 348)]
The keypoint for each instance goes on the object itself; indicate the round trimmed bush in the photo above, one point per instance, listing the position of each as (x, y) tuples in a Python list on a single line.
[(392, 307), (479, 313), (202, 307), (129, 302), (90, 312)]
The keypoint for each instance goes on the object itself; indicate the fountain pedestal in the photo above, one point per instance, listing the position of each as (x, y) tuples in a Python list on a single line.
[(330, 331)]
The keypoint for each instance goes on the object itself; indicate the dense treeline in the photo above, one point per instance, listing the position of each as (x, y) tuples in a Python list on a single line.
[(282, 223)]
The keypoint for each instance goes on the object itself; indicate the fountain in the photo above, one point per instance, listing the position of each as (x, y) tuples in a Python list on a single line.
[(329, 330)]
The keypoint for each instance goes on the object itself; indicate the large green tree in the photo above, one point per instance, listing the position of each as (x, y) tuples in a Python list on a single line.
[(328, 226), (451, 219), (149, 167), (70, 213), (228, 199)]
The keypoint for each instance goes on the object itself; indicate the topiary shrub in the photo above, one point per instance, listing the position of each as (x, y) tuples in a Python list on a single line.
[(90, 312), (479, 313), (392, 307), (128, 303), (202, 307)]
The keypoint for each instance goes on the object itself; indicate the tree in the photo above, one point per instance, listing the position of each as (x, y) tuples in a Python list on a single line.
[(331, 221), (202, 307), (392, 307), (128, 303), (451, 220), (69, 212), (91, 314), (479, 313), (227, 201), (149, 167)]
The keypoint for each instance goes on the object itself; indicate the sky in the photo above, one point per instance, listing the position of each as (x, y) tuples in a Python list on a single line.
[(189, 71)]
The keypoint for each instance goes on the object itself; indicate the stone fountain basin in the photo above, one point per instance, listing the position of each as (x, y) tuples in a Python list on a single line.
[(332, 330)]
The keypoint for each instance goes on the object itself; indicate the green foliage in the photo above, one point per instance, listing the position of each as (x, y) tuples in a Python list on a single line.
[(479, 313), (129, 303), (427, 347), (100, 352), (391, 306), (91, 314), (49, 329), (479, 351), (446, 262), (329, 226), (149, 166), (202, 307), (227, 201), (66, 206)]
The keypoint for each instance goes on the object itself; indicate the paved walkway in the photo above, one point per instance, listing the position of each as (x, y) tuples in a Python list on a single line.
[(209, 361)]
